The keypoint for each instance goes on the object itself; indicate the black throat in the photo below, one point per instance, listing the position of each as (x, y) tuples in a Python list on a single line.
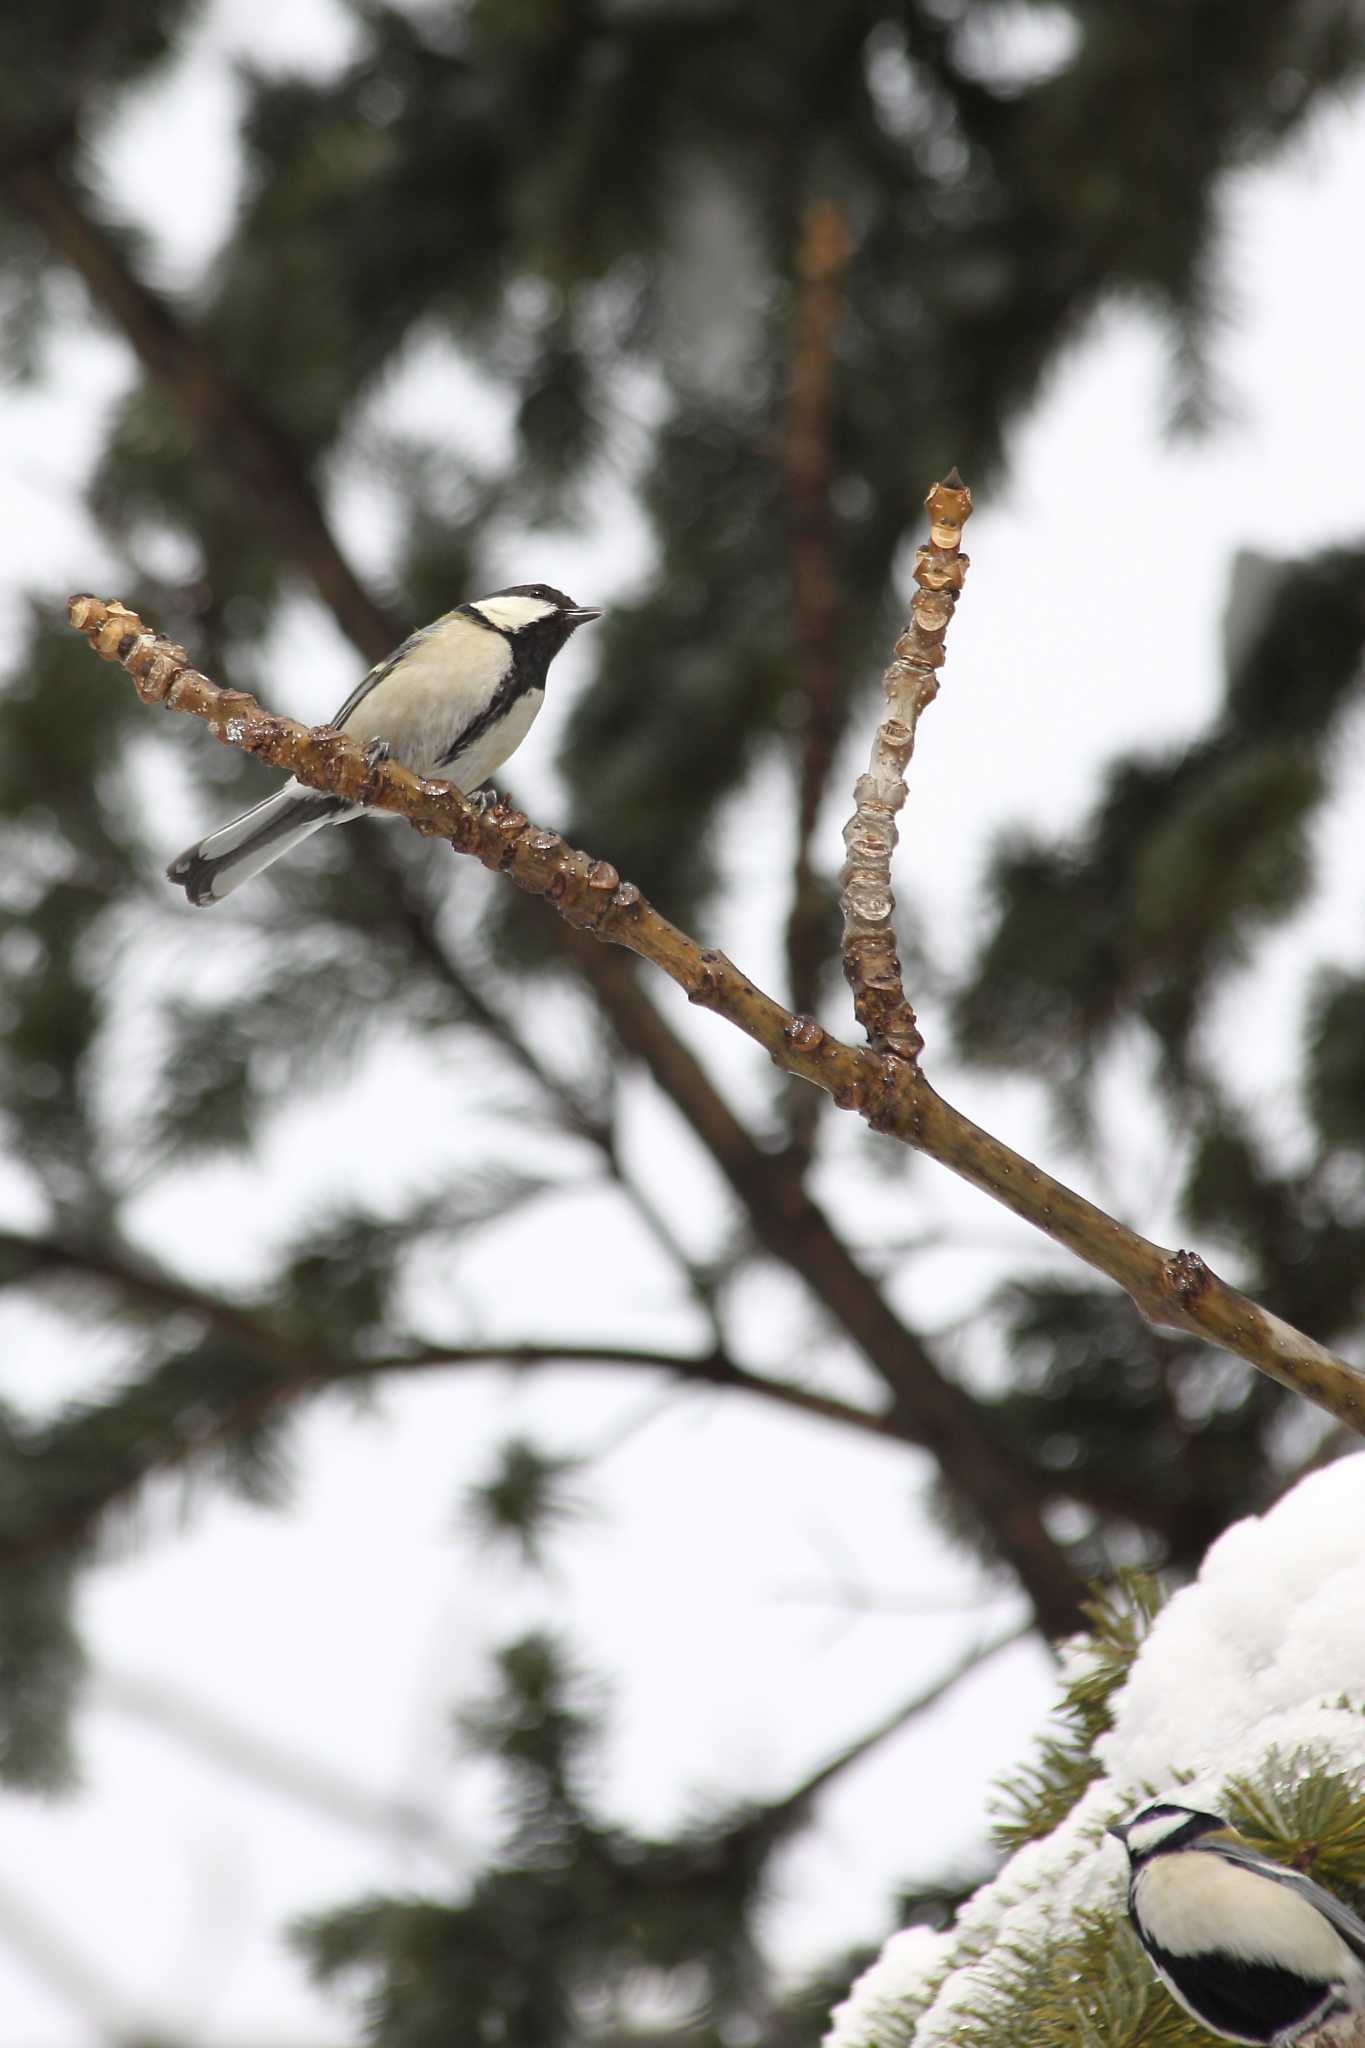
[(532, 651)]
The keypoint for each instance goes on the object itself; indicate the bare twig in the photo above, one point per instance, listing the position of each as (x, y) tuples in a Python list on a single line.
[(1174, 1289), (871, 964)]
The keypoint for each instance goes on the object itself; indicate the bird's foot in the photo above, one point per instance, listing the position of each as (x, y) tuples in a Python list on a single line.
[(376, 754), (483, 800)]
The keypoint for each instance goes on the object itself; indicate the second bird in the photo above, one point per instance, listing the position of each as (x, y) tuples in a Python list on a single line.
[(454, 700)]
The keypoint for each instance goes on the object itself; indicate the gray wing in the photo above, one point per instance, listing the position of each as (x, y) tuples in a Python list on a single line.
[(1347, 1924), (382, 669)]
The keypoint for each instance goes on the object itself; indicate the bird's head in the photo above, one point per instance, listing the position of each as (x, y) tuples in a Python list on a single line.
[(1164, 1828), (536, 610)]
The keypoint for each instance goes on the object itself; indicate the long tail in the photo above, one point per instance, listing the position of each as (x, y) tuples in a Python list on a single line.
[(219, 864)]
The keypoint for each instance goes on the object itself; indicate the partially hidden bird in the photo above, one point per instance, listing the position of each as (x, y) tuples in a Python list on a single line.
[(1254, 1951), (454, 700)]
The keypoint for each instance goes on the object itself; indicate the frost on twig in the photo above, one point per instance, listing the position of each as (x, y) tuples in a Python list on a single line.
[(871, 964)]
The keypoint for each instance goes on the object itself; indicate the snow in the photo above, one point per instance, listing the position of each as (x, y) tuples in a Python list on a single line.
[(1261, 1654)]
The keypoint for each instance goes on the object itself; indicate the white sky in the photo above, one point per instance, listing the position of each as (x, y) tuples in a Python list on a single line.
[(345, 1628)]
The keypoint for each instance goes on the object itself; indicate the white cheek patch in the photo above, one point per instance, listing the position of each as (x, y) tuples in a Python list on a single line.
[(510, 614), (1145, 1835)]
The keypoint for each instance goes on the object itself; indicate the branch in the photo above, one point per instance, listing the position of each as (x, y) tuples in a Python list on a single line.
[(1173, 1289), (586, 1121), (273, 477), (872, 967), (298, 1370), (264, 460)]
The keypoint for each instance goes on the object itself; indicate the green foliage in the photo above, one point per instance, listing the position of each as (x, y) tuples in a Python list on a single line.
[(1092, 1989), (1089, 934), (557, 1939), (1130, 1417), (55, 60), (1041, 1794), (1308, 1817), (1089, 1985), (525, 1500), (1078, 1976), (399, 197), (1093, 930), (1301, 1232), (598, 209), (41, 1660), (1335, 1080)]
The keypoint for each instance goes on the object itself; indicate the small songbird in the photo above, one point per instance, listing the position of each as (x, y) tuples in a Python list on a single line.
[(1256, 1952), (455, 700)]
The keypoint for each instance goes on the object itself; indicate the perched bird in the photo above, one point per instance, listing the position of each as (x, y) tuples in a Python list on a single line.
[(1256, 1952), (454, 700)]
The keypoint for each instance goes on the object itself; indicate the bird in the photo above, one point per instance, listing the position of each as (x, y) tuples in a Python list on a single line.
[(1254, 1951), (455, 700)]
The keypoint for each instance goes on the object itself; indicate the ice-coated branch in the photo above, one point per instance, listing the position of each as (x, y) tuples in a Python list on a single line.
[(1174, 1289), (872, 966)]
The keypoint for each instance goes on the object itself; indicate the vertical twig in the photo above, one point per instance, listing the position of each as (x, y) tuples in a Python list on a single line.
[(872, 966)]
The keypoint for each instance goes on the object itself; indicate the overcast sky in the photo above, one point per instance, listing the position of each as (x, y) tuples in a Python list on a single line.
[(709, 1582)]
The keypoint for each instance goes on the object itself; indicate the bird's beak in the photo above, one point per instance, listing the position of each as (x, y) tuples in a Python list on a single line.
[(582, 615)]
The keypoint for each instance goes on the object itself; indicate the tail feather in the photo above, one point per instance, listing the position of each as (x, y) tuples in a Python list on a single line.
[(232, 855)]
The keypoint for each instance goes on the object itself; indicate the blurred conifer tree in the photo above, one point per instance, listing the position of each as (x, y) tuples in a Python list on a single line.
[(600, 206)]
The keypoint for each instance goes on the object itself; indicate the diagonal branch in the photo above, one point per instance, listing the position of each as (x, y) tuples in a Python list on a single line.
[(261, 456), (1174, 1289), (927, 1409)]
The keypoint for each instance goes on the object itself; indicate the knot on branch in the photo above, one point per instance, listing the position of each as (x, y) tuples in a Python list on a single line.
[(1187, 1277), (949, 505), (803, 1034)]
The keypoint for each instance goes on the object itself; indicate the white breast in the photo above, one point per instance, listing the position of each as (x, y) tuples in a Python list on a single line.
[(1191, 1904), (487, 755), (441, 684)]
